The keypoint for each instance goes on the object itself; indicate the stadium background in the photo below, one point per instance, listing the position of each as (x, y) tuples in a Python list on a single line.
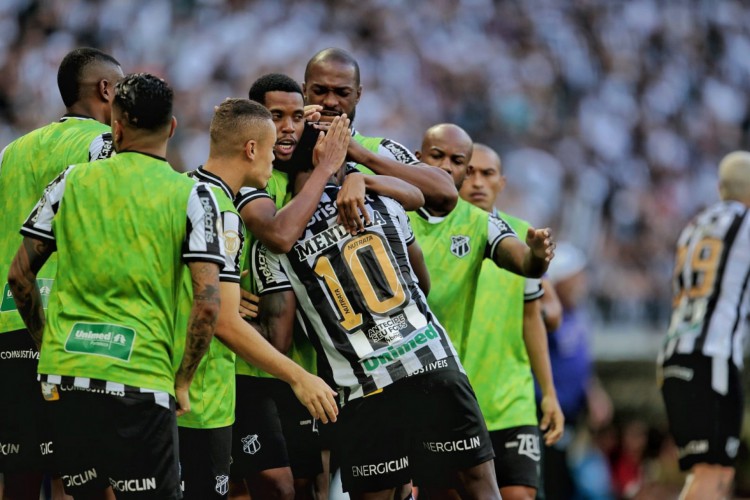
[(610, 116)]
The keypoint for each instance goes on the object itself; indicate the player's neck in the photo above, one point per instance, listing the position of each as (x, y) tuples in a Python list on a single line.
[(230, 174), (83, 108)]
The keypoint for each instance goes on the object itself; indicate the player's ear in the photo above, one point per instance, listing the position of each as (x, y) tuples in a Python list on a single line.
[(172, 127), (359, 93), (418, 155), (251, 148), (105, 90)]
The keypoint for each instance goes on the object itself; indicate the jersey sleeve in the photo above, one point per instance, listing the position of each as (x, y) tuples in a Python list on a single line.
[(101, 147), (497, 230), (248, 194), (39, 223), (397, 151), (234, 240), (532, 289), (402, 220), (204, 238), (267, 270)]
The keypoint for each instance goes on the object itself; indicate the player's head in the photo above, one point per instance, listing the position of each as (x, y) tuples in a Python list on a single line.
[(242, 129), (734, 177), (142, 109), (87, 74), (332, 81), (449, 147), (283, 98), (484, 178)]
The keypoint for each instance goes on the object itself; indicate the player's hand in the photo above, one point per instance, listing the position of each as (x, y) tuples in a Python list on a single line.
[(312, 112), (541, 243), (182, 397), (330, 150), (553, 420), (317, 396), (249, 302), (351, 203)]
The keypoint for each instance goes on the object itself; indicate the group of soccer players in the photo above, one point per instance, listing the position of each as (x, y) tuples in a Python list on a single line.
[(191, 333)]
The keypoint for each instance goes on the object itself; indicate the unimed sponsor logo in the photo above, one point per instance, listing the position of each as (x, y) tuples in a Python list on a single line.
[(368, 470), (451, 446), (391, 353), (139, 484), (79, 479)]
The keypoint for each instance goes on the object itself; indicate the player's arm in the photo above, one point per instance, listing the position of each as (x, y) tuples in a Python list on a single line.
[(29, 259), (203, 251), (250, 345), (530, 259), (416, 259), (550, 306), (351, 198), (36, 248), (203, 317), (535, 339), (437, 186), (278, 230)]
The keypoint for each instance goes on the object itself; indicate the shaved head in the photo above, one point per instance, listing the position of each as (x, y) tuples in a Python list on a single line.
[(447, 132), (734, 177), (235, 122)]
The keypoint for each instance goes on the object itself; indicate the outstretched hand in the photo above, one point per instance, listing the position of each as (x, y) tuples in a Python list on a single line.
[(312, 112), (330, 150), (317, 396), (541, 243)]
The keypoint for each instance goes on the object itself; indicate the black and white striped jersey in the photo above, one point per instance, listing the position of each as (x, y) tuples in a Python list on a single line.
[(358, 298), (711, 304)]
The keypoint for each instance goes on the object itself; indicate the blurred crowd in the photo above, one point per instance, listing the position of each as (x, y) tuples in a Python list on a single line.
[(611, 116)]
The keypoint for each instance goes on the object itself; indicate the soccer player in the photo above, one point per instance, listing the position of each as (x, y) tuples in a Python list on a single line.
[(701, 359), (86, 79), (507, 335), (123, 228), (241, 154), (378, 341), (332, 81), (459, 240), (270, 461)]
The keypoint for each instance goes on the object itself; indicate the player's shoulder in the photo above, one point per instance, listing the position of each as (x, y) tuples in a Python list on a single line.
[(518, 224)]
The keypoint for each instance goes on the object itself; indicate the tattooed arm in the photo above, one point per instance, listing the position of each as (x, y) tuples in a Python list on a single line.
[(276, 319), (30, 257), (203, 317)]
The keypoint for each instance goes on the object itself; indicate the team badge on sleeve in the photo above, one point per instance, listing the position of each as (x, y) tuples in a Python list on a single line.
[(460, 245)]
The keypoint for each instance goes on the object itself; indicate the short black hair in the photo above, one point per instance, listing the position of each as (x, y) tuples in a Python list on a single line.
[(145, 100), (272, 82), (336, 55), (71, 70)]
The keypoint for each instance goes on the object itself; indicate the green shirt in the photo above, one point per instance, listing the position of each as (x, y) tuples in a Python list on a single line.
[(495, 357), (454, 248), (123, 228), (212, 393), (27, 165), (385, 147)]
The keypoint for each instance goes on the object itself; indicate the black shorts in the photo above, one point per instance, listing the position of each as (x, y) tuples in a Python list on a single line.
[(517, 455), (125, 441), (271, 430), (25, 435), (423, 428), (204, 462), (705, 423)]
